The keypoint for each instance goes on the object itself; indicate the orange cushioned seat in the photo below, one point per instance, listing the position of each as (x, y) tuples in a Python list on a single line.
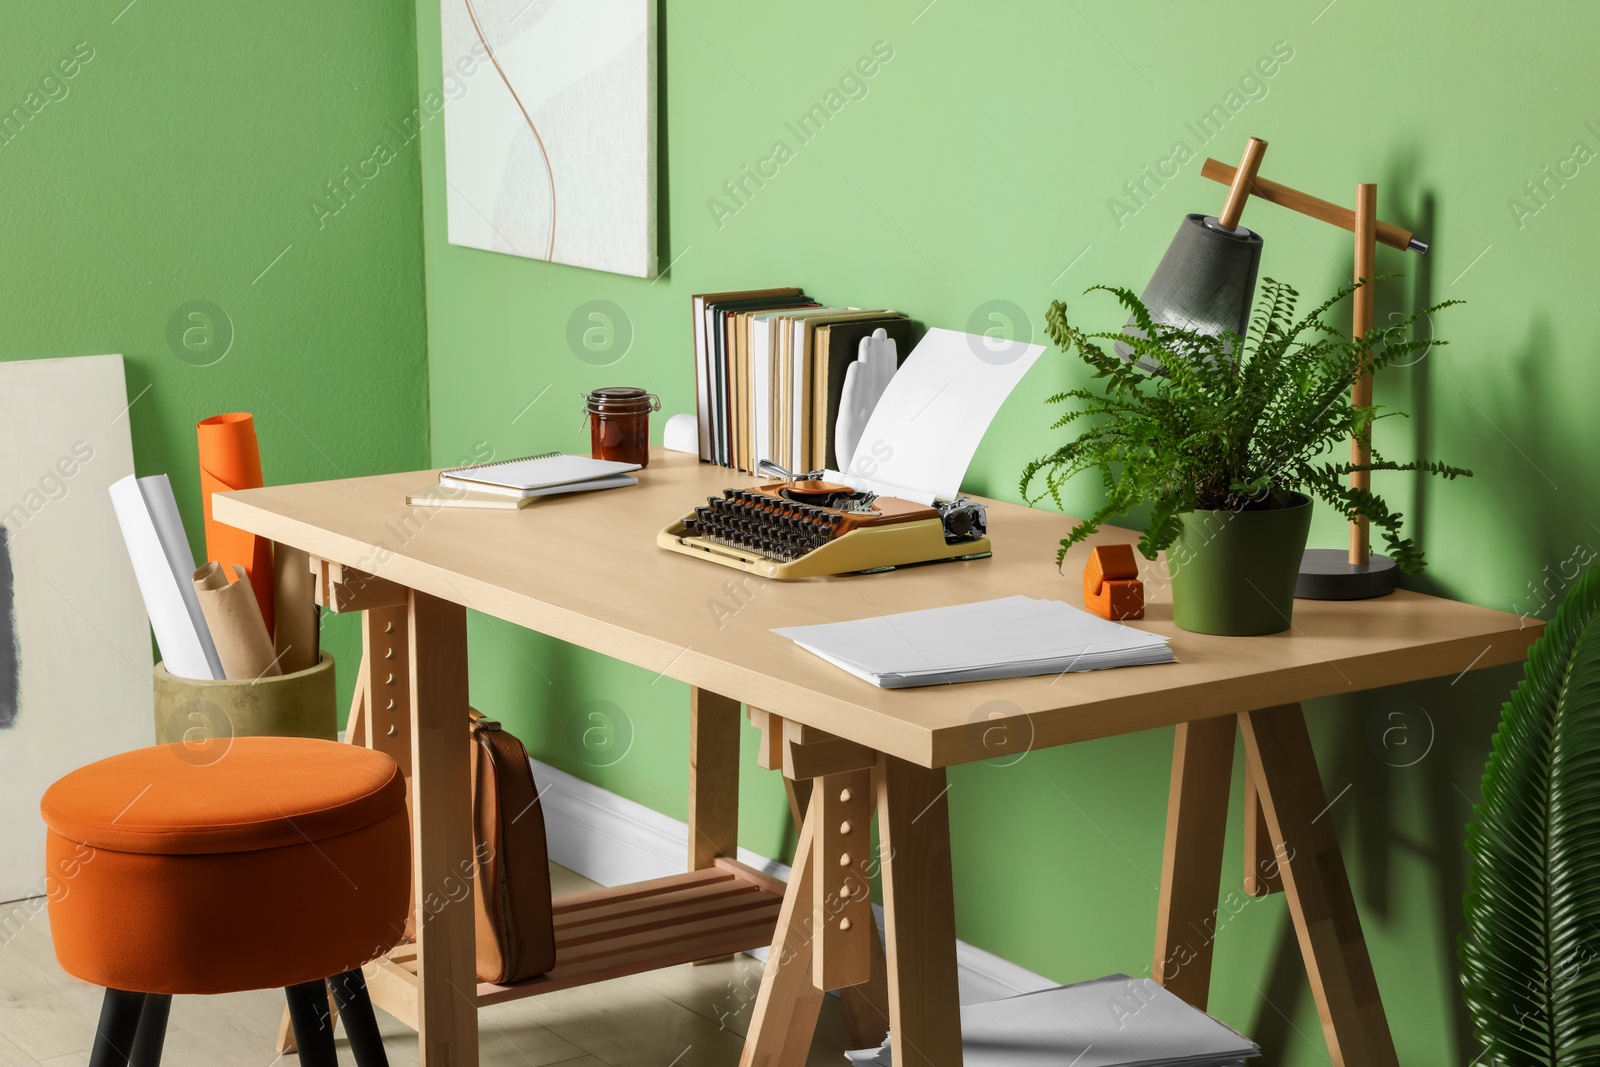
[(234, 864)]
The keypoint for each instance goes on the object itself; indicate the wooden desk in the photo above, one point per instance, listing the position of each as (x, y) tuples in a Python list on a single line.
[(552, 568)]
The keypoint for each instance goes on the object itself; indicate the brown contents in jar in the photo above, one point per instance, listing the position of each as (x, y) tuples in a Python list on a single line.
[(619, 423)]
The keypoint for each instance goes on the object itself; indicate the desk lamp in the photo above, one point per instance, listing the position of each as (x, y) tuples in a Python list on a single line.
[(1206, 281)]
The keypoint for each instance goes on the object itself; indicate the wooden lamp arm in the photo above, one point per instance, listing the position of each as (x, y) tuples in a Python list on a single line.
[(1306, 204), (1239, 188)]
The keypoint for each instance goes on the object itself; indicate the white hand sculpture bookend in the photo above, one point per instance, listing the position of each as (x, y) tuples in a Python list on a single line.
[(864, 382)]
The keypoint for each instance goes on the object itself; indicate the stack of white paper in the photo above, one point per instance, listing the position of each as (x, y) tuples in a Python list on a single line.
[(1009, 638), (1109, 1022)]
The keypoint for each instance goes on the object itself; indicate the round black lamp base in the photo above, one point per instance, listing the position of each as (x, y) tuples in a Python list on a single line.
[(1328, 574)]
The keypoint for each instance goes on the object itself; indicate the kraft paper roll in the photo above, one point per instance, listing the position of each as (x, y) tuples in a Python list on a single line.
[(294, 601), (236, 624), (230, 458)]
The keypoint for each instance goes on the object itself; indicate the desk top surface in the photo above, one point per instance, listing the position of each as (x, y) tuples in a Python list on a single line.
[(585, 568)]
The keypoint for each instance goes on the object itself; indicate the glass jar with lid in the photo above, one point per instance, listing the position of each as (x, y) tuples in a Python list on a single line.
[(619, 423)]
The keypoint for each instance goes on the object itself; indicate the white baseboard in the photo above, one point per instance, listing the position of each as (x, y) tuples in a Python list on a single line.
[(612, 840)]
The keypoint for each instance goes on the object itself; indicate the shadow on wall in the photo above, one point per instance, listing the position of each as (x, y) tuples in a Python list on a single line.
[(1510, 414), (10, 651), (1420, 373), (663, 168), (1421, 748), (1540, 496), (1406, 288), (789, 839), (1416, 748), (538, 670)]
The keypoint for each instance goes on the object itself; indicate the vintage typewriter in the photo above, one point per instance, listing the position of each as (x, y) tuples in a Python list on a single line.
[(804, 527)]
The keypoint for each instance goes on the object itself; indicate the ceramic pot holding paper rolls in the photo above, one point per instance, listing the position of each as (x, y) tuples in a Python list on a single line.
[(619, 423), (300, 704)]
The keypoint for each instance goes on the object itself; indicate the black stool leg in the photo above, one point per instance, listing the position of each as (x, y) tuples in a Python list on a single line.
[(119, 1023), (360, 1025), (313, 1029), (152, 1035)]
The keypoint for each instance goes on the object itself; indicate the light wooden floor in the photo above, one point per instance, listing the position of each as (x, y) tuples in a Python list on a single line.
[(680, 1017)]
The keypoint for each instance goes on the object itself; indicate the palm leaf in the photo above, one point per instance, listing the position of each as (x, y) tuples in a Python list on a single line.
[(1530, 956)]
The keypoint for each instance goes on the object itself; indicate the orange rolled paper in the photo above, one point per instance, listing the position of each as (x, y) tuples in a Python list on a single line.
[(231, 459)]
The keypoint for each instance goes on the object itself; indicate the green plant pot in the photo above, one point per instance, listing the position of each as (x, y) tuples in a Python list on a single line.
[(1233, 572)]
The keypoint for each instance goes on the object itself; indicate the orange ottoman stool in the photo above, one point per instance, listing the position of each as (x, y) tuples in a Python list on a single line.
[(234, 864)]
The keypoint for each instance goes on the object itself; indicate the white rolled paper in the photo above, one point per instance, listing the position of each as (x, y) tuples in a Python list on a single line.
[(164, 564)]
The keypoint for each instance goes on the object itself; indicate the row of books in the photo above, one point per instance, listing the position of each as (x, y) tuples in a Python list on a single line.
[(769, 371)]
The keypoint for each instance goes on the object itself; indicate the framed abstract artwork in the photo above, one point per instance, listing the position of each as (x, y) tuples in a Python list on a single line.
[(550, 130), (74, 641)]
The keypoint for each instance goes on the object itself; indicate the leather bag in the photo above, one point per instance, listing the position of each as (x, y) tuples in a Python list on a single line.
[(511, 883)]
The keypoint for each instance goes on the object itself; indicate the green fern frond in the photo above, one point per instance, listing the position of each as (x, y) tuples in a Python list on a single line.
[(1226, 422), (1530, 956)]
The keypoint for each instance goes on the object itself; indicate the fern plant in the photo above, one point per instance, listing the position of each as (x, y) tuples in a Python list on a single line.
[(1530, 957), (1224, 422)]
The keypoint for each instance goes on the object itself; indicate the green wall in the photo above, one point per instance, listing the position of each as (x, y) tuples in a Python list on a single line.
[(984, 167), (179, 171), (986, 162)]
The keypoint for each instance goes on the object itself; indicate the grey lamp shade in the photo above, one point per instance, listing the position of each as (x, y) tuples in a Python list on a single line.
[(1205, 282)]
